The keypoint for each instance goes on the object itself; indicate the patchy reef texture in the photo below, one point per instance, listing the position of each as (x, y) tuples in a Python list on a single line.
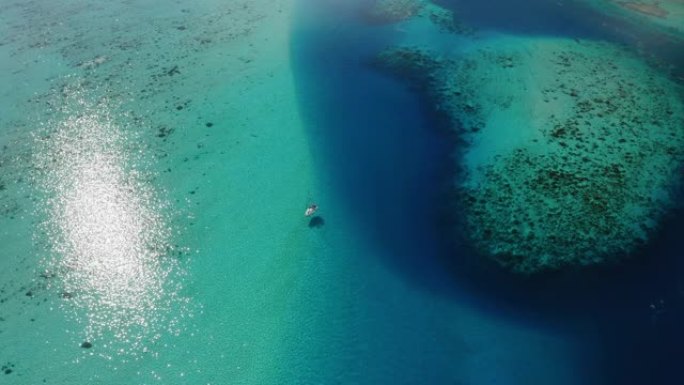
[(391, 11), (572, 150), (665, 15), (394, 11)]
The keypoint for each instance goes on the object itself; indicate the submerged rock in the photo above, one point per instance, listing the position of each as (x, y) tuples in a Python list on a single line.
[(572, 149)]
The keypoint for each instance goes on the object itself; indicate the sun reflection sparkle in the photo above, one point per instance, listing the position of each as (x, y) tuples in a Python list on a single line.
[(107, 231)]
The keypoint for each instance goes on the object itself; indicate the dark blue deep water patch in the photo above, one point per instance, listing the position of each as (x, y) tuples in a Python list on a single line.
[(376, 143), (533, 17), (640, 312), (381, 146)]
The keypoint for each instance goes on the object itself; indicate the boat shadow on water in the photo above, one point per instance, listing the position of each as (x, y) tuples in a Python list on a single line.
[(316, 222)]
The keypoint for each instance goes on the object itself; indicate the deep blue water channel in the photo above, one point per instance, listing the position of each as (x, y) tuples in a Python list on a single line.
[(391, 160)]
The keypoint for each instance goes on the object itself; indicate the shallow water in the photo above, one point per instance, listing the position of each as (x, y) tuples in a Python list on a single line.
[(156, 162)]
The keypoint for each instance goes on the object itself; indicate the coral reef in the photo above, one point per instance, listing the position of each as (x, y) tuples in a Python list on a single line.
[(395, 11), (392, 11), (411, 63), (572, 146)]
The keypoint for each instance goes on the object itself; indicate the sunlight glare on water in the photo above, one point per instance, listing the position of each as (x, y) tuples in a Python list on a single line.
[(106, 228)]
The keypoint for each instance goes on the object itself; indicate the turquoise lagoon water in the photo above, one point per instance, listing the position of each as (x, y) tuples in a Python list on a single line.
[(156, 161)]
